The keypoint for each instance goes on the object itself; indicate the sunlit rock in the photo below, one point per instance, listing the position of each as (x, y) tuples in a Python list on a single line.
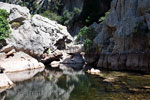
[(55, 64), (19, 62), (24, 75), (94, 71), (5, 82)]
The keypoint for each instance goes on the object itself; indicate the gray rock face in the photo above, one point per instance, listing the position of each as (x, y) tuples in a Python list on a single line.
[(35, 35), (17, 13), (125, 23), (38, 35), (125, 35)]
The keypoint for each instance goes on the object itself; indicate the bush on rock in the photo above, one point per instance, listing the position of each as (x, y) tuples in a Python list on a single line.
[(4, 25)]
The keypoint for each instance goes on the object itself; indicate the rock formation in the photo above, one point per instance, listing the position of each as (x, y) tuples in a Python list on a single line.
[(123, 39), (19, 62), (35, 35), (32, 39)]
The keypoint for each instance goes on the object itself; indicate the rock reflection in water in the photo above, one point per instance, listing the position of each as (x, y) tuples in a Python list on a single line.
[(48, 85), (24, 75)]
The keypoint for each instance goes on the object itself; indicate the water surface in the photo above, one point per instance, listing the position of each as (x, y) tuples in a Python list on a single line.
[(78, 85)]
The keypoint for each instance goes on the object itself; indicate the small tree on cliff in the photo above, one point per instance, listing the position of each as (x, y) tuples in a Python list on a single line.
[(86, 35)]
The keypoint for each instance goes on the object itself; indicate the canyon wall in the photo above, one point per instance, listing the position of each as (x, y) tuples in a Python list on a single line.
[(123, 40)]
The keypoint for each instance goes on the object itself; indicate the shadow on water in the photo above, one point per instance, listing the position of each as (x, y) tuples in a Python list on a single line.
[(67, 84)]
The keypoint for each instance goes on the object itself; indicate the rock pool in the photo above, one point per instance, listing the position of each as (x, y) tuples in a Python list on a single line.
[(78, 85)]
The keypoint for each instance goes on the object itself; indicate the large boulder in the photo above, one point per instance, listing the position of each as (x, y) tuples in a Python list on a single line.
[(34, 36), (19, 62)]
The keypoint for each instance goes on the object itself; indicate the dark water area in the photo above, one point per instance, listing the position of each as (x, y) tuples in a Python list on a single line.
[(78, 85)]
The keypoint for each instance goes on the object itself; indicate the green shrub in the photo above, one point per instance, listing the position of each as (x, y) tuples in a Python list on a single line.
[(4, 28), (67, 17), (4, 25), (87, 43), (88, 19), (86, 36), (4, 13), (52, 16), (15, 25), (86, 33), (76, 11), (104, 17)]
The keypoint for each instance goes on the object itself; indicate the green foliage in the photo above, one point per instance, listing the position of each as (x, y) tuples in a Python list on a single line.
[(15, 25), (4, 13), (4, 25), (67, 16), (104, 17), (87, 20), (52, 16), (86, 35), (76, 11), (87, 43), (32, 5)]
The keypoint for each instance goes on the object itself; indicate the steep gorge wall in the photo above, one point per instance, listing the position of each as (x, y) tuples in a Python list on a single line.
[(123, 39), (91, 12)]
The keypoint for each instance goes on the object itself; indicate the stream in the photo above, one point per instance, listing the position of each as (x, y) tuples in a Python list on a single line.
[(52, 84)]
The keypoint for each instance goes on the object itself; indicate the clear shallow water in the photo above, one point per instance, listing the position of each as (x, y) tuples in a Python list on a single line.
[(71, 85)]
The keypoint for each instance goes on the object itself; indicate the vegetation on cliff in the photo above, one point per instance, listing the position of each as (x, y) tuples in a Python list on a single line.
[(4, 25), (66, 18), (86, 36)]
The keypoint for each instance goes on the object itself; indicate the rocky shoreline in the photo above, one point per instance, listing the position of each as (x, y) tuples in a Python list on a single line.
[(33, 42), (130, 62), (36, 40), (123, 40)]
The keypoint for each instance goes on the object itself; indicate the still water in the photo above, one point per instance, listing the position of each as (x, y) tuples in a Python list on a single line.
[(77, 85)]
